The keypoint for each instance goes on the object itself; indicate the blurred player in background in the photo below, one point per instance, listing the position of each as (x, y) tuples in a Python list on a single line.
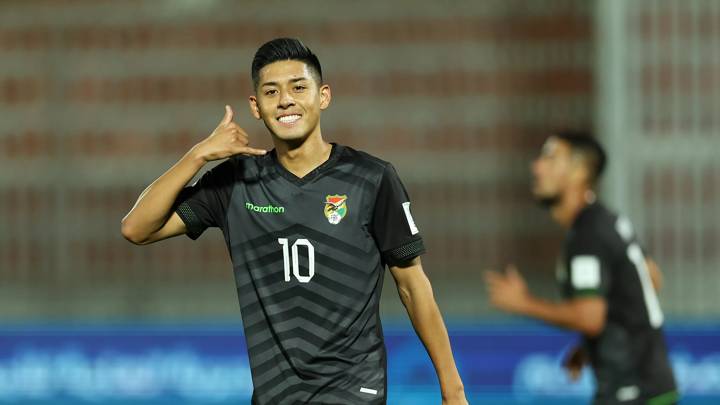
[(607, 282), (310, 227)]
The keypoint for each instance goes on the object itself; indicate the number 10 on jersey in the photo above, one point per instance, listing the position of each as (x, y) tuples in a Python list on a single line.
[(295, 258)]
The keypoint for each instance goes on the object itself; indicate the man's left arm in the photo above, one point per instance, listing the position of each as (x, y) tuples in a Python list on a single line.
[(416, 294), (655, 274)]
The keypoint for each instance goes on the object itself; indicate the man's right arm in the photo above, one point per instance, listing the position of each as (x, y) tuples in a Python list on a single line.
[(508, 291), (151, 219)]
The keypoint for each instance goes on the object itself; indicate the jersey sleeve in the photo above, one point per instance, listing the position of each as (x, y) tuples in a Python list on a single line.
[(204, 204), (393, 227), (588, 267)]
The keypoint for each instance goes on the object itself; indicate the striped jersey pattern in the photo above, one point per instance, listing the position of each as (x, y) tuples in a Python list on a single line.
[(308, 257)]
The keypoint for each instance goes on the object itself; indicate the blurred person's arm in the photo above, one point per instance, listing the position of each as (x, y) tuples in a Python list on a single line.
[(151, 219), (575, 360), (655, 274), (417, 296), (509, 292)]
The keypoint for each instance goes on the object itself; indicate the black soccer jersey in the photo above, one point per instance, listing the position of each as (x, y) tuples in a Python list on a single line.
[(602, 257), (309, 256)]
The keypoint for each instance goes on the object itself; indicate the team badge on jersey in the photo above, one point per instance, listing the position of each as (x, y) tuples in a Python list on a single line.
[(335, 208)]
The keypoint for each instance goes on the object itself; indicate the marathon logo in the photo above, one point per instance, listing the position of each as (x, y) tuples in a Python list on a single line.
[(267, 209)]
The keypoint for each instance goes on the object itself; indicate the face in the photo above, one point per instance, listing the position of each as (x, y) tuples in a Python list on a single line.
[(289, 100), (552, 171)]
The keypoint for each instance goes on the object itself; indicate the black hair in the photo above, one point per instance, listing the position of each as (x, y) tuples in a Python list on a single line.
[(585, 144), (284, 49)]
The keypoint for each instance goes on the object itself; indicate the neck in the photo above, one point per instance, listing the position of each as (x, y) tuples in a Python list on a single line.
[(571, 203), (302, 156)]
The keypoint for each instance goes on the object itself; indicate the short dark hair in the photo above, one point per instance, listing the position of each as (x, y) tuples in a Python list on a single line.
[(585, 144), (284, 49)]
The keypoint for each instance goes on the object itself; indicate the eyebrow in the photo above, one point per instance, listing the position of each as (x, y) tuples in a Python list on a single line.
[(295, 80)]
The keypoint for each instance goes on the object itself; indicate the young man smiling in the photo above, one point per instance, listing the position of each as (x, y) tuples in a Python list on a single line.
[(310, 227)]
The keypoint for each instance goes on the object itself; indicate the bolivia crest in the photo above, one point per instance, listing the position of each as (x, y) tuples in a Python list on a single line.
[(335, 208)]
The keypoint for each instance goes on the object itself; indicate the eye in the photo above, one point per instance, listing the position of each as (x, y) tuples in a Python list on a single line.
[(270, 92), (300, 88)]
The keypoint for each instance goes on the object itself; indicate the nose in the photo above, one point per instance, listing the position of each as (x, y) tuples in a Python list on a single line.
[(535, 166), (286, 99)]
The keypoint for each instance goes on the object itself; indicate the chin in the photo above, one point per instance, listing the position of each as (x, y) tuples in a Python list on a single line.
[(287, 134), (291, 136), (293, 139)]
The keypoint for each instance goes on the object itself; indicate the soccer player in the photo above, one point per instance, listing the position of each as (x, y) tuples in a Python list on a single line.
[(310, 227), (606, 280)]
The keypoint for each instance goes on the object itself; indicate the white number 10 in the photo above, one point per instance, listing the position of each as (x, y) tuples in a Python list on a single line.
[(295, 266)]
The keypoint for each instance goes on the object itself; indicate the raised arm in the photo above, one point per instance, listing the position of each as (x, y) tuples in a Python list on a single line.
[(417, 296), (151, 219)]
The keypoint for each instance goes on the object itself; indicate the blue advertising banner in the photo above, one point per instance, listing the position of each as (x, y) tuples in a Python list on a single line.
[(513, 363)]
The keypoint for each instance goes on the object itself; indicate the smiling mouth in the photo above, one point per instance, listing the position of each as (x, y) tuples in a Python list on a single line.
[(289, 119)]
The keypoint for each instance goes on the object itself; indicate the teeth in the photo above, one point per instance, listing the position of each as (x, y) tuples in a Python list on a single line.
[(287, 119)]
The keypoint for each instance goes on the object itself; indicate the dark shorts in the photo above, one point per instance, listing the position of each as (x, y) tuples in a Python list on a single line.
[(633, 368)]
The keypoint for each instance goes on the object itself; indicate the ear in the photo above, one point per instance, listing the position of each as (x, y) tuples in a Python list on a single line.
[(580, 172), (254, 109), (325, 96)]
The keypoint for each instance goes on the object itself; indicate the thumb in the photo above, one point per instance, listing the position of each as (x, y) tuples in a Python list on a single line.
[(228, 116)]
